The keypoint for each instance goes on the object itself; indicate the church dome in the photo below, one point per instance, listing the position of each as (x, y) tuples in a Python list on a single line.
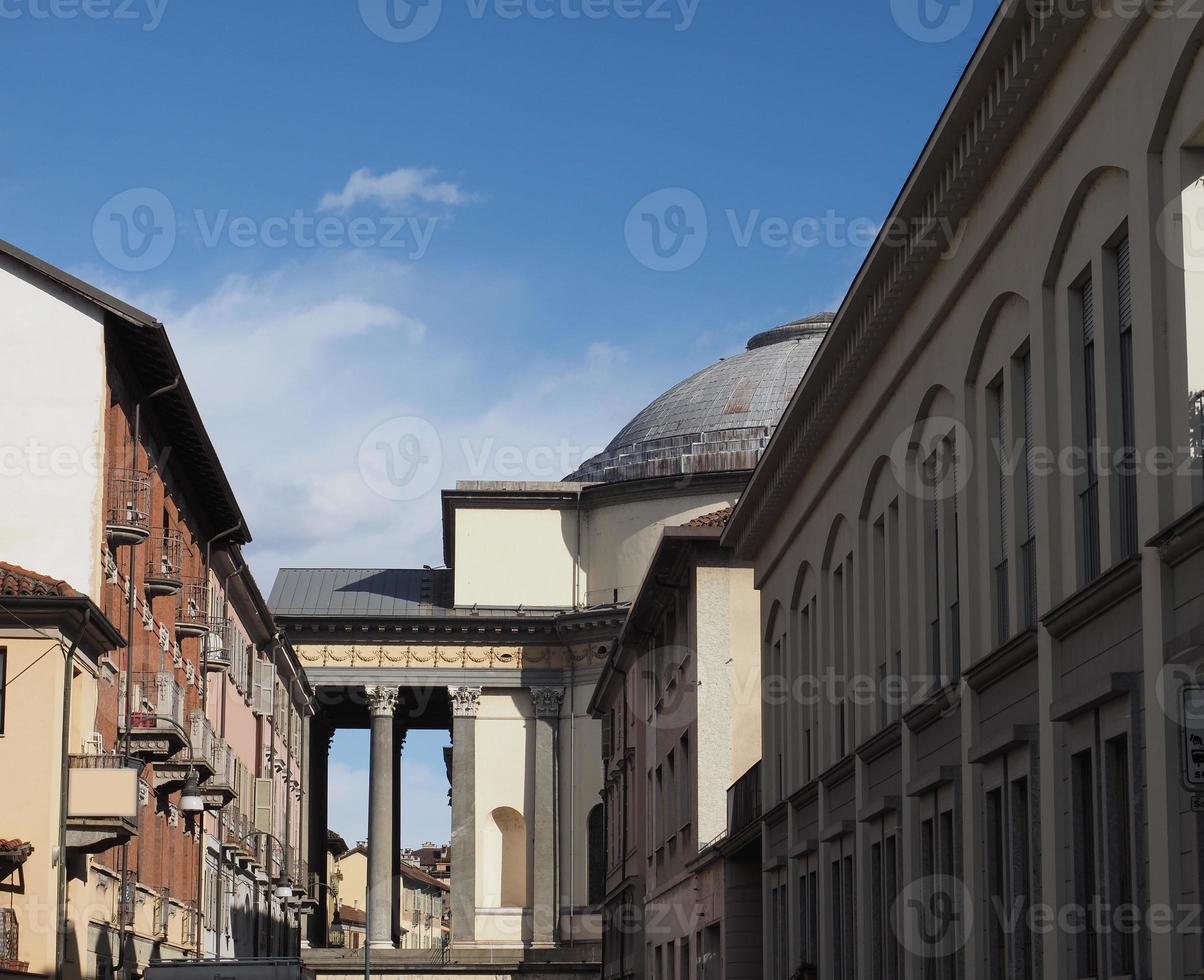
[(720, 419)]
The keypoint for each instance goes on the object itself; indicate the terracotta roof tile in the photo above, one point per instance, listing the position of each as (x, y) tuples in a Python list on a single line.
[(718, 518), (20, 582)]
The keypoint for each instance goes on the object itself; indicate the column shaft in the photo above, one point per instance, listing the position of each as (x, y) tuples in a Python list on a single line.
[(382, 861), (546, 913), (465, 703)]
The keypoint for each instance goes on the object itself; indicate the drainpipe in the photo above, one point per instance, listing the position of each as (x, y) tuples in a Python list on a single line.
[(131, 595), (64, 793), (200, 818), (217, 927)]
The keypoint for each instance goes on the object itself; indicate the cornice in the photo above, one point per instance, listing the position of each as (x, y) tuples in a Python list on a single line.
[(1019, 55)]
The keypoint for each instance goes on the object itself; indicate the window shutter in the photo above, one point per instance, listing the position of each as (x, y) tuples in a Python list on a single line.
[(1030, 449), (1087, 294), (263, 805), (264, 683), (1124, 285)]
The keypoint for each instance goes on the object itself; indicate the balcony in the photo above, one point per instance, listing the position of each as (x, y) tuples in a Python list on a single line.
[(10, 943), (102, 802), (219, 645), (127, 516), (219, 792), (164, 563), (744, 801), (156, 701), (199, 757), (192, 609)]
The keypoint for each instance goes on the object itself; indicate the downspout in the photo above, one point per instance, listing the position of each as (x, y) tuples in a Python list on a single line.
[(221, 730), (64, 793), (131, 595), (200, 847)]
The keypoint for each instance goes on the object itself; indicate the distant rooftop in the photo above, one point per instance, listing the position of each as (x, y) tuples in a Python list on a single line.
[(353, 592)]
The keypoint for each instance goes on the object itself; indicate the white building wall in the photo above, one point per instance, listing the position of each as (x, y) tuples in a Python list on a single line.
[(515, 556), (51, 429)]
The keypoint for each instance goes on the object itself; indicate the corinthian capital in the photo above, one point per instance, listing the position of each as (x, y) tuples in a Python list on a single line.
[(547, 701), (382, 701), (465, 701)]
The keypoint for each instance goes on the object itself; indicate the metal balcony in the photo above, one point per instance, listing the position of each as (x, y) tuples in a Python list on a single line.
[(102, 802), (199, 756), (219, 792), (744, 801), (165, 562), (10, 943), (127, 514), (156, 716), (192, 609), (219, 645)]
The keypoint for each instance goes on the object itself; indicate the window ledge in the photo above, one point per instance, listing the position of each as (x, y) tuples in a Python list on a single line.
[(1116, 584)]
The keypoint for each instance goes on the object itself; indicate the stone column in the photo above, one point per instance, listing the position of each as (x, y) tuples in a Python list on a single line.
[(546, 900), (382, 861), (399, 741), (465, 702)]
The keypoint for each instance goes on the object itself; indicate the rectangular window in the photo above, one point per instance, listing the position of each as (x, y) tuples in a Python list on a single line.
[(1127, 469), (997, 902), (3, 685), (1089, 494), (807, 662), (836, 903), (999, 503), (1084, 861), (877, 916), (1021, 870), (1119, 853), (1028, 549)]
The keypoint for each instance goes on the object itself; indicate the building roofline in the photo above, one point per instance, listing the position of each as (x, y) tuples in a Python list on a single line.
[(144, 330), (1019, 53)]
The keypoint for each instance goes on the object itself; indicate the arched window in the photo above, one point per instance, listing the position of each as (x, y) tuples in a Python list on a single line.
[(596, 833), (504, 859)]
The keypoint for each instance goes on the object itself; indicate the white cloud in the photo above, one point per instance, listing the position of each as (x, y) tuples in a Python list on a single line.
[(399, 188)]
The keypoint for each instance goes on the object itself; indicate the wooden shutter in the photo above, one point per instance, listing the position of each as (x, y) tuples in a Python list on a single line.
[(263, 805)]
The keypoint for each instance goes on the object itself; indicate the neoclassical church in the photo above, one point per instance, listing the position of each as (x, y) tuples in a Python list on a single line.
[(503, 647)]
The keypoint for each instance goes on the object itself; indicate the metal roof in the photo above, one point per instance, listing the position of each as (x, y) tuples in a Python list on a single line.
[(356, 592), (721, 418)]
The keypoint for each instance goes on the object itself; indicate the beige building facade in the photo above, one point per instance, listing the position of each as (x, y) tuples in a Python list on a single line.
[(977, 536)]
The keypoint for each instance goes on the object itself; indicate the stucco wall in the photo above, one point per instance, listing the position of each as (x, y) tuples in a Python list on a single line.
[(515, 556), (621, 535), (53, 436)]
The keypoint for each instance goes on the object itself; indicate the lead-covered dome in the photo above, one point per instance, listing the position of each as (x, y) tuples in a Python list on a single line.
[(718, 420)]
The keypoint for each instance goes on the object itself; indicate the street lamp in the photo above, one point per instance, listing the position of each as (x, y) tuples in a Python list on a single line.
[(283, 890), (191, 800)]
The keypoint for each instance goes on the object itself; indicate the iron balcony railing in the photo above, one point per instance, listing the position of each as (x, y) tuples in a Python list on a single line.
[(1002, 604), (155, 695), (1128, 502), (955, 640), (1195, 414), (744, 801), (10, 943), (1089, 531), (127, 514), (192, 608), (164, 561), (1028, 584), (219, 645)]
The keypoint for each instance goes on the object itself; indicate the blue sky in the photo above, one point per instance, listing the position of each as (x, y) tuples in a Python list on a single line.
[(488, 293)]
